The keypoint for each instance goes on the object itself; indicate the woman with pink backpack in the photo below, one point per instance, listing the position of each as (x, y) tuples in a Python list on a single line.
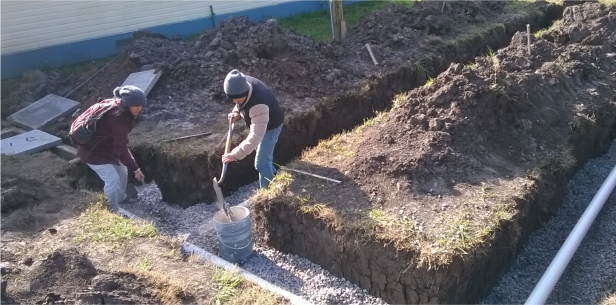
[(106, 149)]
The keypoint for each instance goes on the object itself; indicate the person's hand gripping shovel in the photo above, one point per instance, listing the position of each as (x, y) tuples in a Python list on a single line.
[(220, 200)]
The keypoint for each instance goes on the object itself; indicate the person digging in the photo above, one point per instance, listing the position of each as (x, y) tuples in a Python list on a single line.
[(107, 153), (257, 105)]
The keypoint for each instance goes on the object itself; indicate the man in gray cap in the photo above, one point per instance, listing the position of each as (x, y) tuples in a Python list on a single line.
[(257, 105), (107, 153)]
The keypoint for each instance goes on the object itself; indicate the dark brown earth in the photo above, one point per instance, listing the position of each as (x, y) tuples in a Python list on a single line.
[(69, 276), (447, 185), (495, 118), (324, 88), (485, 124), (45, 262)]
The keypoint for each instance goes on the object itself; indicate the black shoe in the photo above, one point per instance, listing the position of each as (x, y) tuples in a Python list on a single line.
[(130, 201)]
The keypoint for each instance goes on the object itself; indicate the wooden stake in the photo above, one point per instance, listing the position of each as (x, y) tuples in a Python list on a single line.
[(337, 19), (443, 7), (187, 137), (528, 37), (371, 55), (309, 174)]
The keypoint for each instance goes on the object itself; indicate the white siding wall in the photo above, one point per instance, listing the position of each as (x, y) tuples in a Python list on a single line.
[(28, 25)]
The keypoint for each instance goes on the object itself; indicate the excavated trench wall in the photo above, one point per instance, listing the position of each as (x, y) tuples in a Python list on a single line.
[(393, 275), (182, 182)]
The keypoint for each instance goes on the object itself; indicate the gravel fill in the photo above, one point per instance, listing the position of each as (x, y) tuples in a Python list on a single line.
[(591, 274), (291, 272)]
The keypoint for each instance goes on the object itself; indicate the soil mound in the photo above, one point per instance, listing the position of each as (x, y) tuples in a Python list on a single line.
[(62, 272), (298, 69), (293, 65), (496, 117), (396, 32), (68, 277)]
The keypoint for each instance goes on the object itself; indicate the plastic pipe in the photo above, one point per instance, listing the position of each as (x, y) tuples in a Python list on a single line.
[(561, 260)]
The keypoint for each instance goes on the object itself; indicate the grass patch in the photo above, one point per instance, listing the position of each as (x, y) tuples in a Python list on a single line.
[(318, 24), (168, 290), (232, 289), (98, 224), (539, 33), (608, 3), (429, 82), (85, 66), (341, 146), (228, 284)]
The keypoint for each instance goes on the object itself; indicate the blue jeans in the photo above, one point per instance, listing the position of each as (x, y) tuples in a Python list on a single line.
[(265, 156)]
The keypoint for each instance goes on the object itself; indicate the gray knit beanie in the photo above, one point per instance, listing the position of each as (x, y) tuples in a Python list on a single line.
[(236, 85), (130, 95)]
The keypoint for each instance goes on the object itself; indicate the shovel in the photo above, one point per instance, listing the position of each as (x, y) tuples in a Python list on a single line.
[(140, 188), (220, 200)]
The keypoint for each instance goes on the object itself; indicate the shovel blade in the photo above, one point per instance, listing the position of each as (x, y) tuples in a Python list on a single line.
[(143, 186), (220, 200)]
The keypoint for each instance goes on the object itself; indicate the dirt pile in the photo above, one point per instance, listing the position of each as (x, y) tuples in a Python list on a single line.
[(397, 29), (307, 77), (32, 86), (440, 192), (494, 118), (68, 276), (293, 65)]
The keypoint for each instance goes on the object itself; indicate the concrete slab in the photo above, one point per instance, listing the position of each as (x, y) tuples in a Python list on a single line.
[(43, 112), (144, 80), (29, 142), (65, 152)]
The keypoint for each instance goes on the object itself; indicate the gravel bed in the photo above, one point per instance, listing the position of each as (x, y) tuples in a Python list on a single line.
[(591, 274), (297, 275)]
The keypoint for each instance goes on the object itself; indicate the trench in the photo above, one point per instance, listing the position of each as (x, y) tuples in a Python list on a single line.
[(377, 267), (184, 180), (370, 265), (393, 274)]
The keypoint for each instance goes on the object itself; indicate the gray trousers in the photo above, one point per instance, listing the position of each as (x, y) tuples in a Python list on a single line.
[(116, 179)]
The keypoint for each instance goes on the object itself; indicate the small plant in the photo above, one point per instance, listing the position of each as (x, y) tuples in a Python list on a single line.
[(399, 100), (490, 53), (313, 208), (228, 284), (429, 82), (539, 33)]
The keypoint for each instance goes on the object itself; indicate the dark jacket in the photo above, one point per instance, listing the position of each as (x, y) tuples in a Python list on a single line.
[(261, 112), (261, 94), (110, 142)]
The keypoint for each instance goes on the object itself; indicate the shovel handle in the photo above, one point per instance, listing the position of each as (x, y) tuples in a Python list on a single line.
[(227, 146)]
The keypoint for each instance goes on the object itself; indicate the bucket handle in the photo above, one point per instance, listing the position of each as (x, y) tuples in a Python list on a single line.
[(249, 243)]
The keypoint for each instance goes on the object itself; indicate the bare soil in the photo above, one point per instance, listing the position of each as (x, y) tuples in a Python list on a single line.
[(447, 184), (324, 87), (45, 262)]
